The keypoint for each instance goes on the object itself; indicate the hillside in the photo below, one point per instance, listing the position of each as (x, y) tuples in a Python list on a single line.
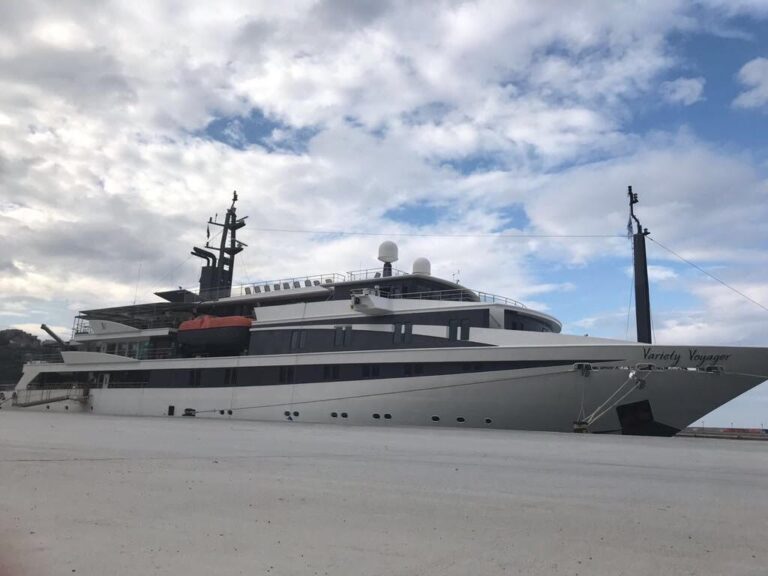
[(15, 346)]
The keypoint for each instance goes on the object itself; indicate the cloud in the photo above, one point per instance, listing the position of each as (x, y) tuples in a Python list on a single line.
[(725, 318), (32, 328), (106, 166), (685, 91), (754, 76), (655, 273)]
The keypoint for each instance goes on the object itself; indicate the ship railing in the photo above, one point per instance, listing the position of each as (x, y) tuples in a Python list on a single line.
[(371, 274), (496, 299), (44, 358), (286, 284), (455, 295), (82, 324), (37, 396), (294, 282), (155, 353)]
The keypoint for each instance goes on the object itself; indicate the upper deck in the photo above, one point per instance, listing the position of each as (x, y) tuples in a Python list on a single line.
[(183, 304)]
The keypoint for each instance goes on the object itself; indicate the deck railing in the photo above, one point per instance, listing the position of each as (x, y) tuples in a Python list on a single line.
[(286, 284), (456, 295)]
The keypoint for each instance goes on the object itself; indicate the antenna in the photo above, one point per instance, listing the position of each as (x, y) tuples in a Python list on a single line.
[(138, 279)]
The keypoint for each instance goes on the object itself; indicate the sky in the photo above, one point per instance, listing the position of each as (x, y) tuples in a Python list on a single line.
[(446, 126)]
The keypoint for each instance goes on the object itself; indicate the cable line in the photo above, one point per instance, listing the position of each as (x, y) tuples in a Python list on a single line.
[(419, 235), (700, 269)]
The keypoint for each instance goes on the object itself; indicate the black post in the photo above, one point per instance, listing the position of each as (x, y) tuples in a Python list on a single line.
[(642, 293)]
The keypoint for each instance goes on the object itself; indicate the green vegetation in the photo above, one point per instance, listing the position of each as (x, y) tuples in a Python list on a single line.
[(15, 346)]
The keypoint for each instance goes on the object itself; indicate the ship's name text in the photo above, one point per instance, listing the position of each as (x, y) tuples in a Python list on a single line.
[(693, 356)]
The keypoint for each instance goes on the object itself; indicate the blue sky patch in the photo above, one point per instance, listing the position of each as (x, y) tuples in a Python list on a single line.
[(417, 214), (241, 132), (716, 58)]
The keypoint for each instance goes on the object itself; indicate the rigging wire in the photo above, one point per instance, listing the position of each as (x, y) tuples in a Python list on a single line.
[(631, 299), (419, 235), (173, 271), (700, 269), (388, 392)]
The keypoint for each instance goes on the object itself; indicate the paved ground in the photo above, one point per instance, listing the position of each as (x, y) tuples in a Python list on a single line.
[(102, 495)]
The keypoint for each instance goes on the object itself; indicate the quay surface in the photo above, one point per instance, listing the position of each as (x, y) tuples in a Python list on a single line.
[(93, 495)]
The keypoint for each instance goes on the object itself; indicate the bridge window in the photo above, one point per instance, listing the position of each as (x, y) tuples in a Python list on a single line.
[(298, 339), (370, 370), (331, 372), (465, 329), (230, 377), (342, 336), (453, 329), (194, 378), (287, 375)]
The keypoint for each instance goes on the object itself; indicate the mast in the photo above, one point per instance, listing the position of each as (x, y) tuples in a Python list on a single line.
[(216, 275), (642, 293)]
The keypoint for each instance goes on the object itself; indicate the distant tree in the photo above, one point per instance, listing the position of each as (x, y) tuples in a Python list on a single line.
[(15, 345)]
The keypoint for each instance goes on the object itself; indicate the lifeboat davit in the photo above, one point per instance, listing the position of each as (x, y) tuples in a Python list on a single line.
[(216, 335)]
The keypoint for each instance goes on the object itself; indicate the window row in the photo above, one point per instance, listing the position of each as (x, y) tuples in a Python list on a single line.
[(272, 375)]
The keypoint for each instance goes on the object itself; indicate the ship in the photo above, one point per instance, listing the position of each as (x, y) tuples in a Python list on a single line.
[(379, 347)]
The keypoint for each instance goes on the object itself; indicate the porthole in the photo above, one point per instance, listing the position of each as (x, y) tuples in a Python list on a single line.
[(286, 413), (66, 407), (488, 421), (229, 412), (221, 412), (343, 414), (295, 413), (387, 416), (460, 419), (334, 414), (435, 418), (377, 416)]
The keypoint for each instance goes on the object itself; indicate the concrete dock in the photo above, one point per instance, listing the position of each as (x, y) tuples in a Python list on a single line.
[(95, 495)]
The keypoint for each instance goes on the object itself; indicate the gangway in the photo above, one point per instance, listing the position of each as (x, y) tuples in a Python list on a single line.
[(29, 398)]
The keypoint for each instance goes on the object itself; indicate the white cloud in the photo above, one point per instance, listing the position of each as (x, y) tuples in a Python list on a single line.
[(103, 168), (32, 328), (725, 318), (754, 76), (685, 91), (655, 273)]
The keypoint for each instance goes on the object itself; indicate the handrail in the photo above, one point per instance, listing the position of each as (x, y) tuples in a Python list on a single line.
[(371, 274), (455, 295), (287, 284)]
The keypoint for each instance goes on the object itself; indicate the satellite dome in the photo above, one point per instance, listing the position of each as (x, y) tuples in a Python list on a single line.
[(422, 266), (388, 252)]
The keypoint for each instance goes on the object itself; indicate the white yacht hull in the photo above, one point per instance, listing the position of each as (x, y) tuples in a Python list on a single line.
[(677, 387)]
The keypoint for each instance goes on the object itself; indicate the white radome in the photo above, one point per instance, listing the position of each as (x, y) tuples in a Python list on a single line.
[(388, 251), (422, 266)]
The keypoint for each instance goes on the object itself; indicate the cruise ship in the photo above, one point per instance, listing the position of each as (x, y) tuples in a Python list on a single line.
[(377, 347)]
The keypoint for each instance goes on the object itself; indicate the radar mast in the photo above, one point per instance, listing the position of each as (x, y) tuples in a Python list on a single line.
[(216, 275)]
